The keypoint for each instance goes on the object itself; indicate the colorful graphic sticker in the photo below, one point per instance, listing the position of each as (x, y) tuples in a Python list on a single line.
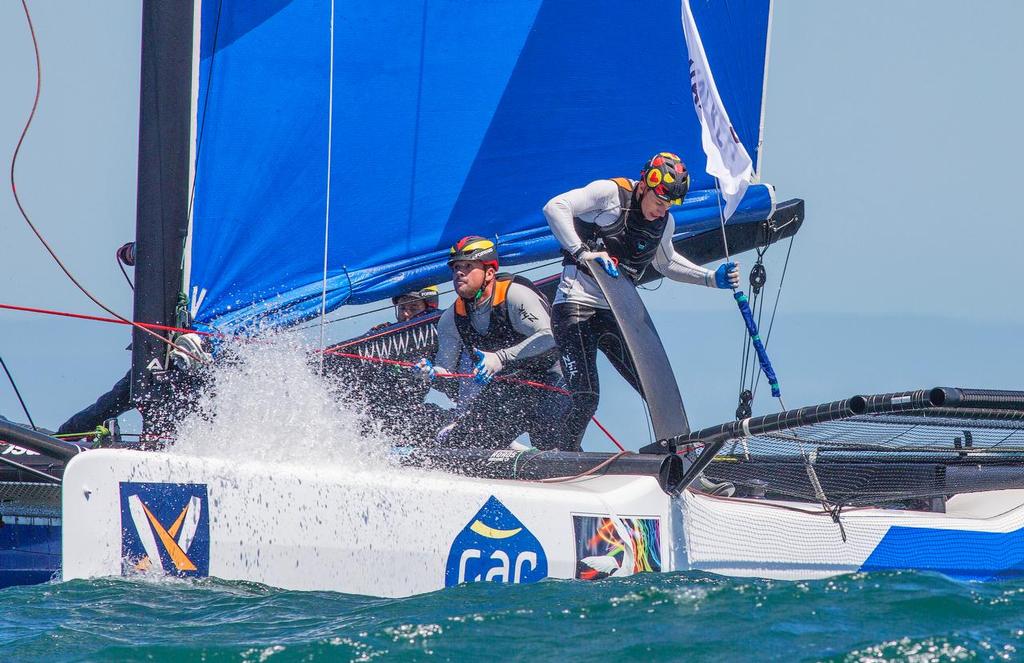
[(611, 546), (495, 547), (165, 527)]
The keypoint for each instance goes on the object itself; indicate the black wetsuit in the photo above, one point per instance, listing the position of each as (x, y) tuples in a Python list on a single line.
[(112, 404), (604, 215)]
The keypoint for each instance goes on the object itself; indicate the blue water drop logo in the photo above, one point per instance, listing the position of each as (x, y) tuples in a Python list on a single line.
[(495, 547)]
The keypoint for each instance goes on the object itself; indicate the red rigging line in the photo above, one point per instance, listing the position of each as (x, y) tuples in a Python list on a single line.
[(326, 351), (24, 214), (463, 376), (116, 321)]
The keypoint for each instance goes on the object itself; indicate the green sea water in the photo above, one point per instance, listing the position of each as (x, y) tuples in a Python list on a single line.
[(680, 616)]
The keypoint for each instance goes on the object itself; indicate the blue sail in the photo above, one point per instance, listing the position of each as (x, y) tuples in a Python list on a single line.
[(443, 118)]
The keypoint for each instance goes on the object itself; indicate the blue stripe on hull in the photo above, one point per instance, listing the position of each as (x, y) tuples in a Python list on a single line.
[(959, 554), (29, 551)]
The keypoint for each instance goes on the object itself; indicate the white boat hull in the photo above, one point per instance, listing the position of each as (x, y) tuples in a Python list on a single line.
[(980, 536), (378, 533), (403, 532)]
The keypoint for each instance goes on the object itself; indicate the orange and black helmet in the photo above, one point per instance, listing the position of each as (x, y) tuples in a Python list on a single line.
[(666, 175), (474, 247)]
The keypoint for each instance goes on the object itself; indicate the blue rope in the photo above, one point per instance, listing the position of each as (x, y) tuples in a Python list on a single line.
[(762, 356)]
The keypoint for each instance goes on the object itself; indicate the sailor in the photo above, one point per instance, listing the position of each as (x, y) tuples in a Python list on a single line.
[(625, 226), (184, 361), (415, 303), (190, 352), (505, 323), (390, 395), (411, 305)]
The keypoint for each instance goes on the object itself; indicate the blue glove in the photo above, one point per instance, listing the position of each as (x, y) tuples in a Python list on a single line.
[(426, 369), (603, 259), (609, 266), (487, 366), (724, 273)]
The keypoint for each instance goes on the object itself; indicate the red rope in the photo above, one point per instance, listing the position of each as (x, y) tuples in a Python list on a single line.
[(17, 200), (529, 383), (605, 431), (117, 321), (327, 351)]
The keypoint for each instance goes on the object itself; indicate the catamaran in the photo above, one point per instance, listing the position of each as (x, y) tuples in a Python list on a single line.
[(297, 157)]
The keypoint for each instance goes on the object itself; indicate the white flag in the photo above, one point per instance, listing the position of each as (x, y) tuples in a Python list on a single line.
[(728, 160)]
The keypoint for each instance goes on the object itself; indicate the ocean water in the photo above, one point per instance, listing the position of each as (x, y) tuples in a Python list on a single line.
[(267, 405), (691, 616)]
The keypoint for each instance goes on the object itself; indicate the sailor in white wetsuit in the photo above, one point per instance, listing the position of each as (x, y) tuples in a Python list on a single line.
[(505, 323), (625, 226)]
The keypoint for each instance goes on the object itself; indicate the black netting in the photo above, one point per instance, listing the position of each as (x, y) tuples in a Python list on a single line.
[(912, 460), (30, 499)]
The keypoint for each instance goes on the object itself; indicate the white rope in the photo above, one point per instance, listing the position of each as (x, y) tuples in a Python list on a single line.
[(327, 206)]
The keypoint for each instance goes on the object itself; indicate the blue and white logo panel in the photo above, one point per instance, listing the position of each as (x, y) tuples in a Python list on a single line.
[(165, 527), (495, 547)]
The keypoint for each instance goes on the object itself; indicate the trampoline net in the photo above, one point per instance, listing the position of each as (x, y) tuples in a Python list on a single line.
[(912, 460)]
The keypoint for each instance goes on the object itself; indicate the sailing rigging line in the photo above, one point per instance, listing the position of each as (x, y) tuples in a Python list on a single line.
[(756, 309), (199, 131), (778, 294), (323, 351), (126, 277), (594, 470), (721, 218), (748, 390), (24, 214), (206, 106), (738, 294), (643, 286), (30, 470), (116, 321), (327, 196), (465, 376), (17, 393)]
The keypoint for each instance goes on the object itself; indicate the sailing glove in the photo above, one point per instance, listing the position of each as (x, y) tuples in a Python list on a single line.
[(190, 352), (426, 369), (727, 276), (602, 258), (487, 366)]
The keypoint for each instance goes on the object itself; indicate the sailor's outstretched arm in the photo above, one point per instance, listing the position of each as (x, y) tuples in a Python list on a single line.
[(528, 316), (112, 404), (675, 266), (599, 195), (449, 345)]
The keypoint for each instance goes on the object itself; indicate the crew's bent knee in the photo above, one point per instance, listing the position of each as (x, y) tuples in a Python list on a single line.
[(584, 403)]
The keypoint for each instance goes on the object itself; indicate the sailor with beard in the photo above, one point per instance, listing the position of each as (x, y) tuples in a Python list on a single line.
[(505, 323)]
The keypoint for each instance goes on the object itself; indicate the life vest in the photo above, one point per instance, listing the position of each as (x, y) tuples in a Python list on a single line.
[(500, 333), (631, 239)]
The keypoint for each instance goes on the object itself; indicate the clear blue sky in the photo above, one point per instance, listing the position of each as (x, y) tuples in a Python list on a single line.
[(896, 122)]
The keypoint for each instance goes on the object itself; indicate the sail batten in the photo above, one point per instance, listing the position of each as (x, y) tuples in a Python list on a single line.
[(449, 119)]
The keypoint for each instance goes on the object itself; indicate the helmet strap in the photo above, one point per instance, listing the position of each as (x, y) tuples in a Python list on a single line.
[(482, 291)]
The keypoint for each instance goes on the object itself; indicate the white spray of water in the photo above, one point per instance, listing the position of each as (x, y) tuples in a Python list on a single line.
[(266, 403)]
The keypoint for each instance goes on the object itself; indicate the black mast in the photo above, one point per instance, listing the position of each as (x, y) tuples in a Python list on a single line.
[(163, 189)]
